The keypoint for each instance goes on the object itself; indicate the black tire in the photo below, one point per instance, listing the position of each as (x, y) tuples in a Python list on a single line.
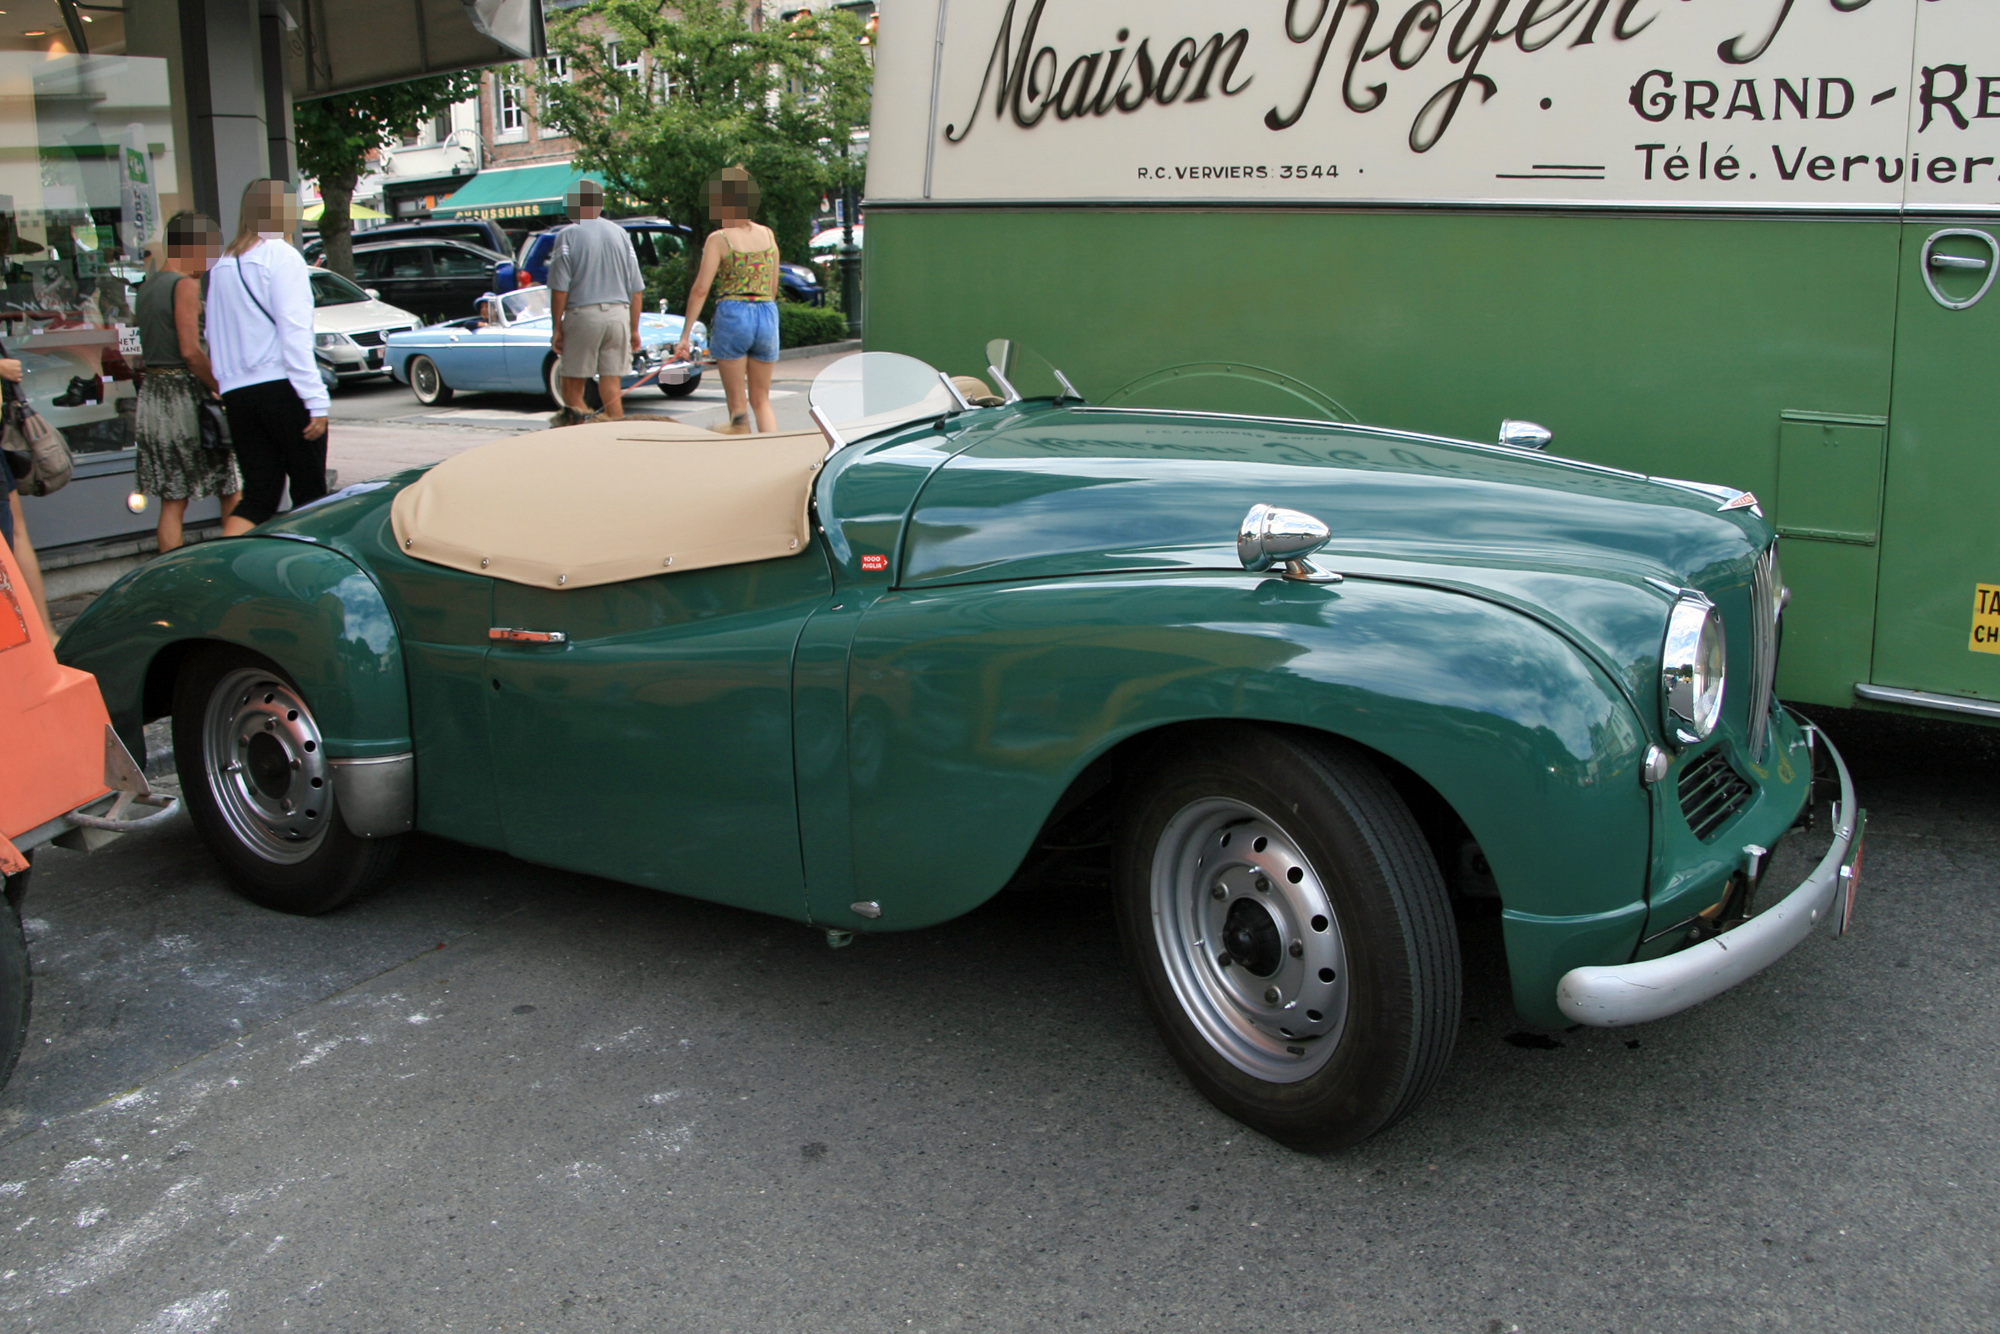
[(17, 983), (591, 398), (1247, 835), (683, 389), (298, 857), (427, 382)]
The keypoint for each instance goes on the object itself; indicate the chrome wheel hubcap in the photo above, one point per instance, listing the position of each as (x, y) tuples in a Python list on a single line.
[(266, 766), (1249, 939), (426, 378)]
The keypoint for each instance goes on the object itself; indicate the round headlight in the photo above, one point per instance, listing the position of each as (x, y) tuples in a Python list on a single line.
[(1692, 667)]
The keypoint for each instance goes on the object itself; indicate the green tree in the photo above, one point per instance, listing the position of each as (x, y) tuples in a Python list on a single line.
[(782, 100), (336, 135)]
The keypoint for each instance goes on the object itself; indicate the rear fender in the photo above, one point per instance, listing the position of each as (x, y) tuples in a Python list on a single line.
[(308, 609)]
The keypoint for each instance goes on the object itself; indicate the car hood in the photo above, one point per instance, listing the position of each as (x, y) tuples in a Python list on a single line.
[(359, 316), (1079, 491)]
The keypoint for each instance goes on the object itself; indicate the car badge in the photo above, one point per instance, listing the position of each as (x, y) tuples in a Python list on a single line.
[(1744, 501), (874, 562)]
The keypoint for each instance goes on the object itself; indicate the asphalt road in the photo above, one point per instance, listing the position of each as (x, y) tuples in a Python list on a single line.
[(493, 1096)]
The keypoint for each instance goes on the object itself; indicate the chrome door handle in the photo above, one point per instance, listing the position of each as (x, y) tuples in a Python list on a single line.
[(1933, 261), (509, 635)]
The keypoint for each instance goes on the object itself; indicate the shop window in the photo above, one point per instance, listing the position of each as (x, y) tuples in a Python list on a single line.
[(91, 171)]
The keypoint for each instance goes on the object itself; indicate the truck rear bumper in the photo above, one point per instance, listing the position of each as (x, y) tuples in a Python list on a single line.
[(1636, 993)]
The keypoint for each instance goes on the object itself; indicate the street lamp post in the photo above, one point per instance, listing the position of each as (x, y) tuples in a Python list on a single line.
[(850, 264)]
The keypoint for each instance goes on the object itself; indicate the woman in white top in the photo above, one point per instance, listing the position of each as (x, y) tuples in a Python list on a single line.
[(260, 343)]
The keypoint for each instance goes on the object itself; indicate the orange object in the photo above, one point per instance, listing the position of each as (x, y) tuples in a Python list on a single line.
[(52, 724)]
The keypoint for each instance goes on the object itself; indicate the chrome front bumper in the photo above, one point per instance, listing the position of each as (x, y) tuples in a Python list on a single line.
[(669, 371), (1635, 993)]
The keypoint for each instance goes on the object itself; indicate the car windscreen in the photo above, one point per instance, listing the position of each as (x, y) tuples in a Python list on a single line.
[(868, 392), (330, 289), (531, 303)]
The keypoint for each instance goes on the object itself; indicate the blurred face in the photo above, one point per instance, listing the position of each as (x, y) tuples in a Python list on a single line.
[(580, 205), (732, 196), (724, 205), (277, 211), (198, 257)]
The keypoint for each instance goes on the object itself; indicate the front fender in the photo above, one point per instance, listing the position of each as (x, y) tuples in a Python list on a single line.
[(973, 708), (309, 609)]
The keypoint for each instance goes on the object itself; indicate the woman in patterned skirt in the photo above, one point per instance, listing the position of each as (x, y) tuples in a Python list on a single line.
[(172, 463)]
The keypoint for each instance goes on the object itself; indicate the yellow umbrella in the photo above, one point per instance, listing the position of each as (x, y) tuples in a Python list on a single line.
[(311, 212)]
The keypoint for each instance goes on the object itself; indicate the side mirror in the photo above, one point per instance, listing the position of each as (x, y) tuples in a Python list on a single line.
[(1274, 536), (373, 295), (1525, 435)]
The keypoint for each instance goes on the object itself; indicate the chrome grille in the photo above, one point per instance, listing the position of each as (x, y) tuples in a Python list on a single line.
[(1766, 606), (371, 338), (1711, 791)]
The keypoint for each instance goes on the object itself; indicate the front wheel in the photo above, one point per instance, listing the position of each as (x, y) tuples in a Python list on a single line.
[(259, 787), (427, 382), (1292, 934), (683, 389)]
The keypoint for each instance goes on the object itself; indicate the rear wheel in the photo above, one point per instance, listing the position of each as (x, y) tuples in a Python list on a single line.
[(259, 788), (591, 398), (16, 984), (1291, 932), (427, 383), (683, 389)]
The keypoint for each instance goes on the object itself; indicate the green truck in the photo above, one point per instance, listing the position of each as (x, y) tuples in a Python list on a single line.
[(1745, 243)]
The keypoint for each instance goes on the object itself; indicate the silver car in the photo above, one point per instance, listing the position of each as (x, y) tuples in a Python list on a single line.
[(349, 326)]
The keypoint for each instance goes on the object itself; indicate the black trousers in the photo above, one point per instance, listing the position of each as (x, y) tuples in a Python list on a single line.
[(267, 425)]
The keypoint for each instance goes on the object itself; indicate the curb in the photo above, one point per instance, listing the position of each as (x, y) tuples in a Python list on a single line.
[(819, 350), (92, 567)]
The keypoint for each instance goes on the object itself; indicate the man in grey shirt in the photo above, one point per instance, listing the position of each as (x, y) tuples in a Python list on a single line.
[(595, 297)]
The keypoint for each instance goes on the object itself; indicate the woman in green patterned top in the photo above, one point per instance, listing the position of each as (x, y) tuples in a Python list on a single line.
[(172, 464), (740, 263)]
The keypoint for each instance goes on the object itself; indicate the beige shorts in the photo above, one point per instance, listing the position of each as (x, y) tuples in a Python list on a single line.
[(597, 341)]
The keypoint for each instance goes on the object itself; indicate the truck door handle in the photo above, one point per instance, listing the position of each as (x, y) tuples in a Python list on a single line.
[(1934, 262)]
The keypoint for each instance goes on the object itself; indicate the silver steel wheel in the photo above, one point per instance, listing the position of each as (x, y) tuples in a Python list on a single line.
[(1249, 940), (266, 767)]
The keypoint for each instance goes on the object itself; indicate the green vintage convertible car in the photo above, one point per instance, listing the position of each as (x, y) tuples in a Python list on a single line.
[(1311, 681)]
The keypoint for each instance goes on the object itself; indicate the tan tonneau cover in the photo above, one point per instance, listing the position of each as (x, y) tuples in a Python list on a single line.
[(612, 501)]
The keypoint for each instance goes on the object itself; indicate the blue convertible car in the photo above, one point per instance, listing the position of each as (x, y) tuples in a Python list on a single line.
[(508, 350)]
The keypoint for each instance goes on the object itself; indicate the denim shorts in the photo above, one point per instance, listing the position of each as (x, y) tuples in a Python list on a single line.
[(744, 329)]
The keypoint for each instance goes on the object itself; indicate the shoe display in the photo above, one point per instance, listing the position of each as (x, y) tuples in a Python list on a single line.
[(82, 389)]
